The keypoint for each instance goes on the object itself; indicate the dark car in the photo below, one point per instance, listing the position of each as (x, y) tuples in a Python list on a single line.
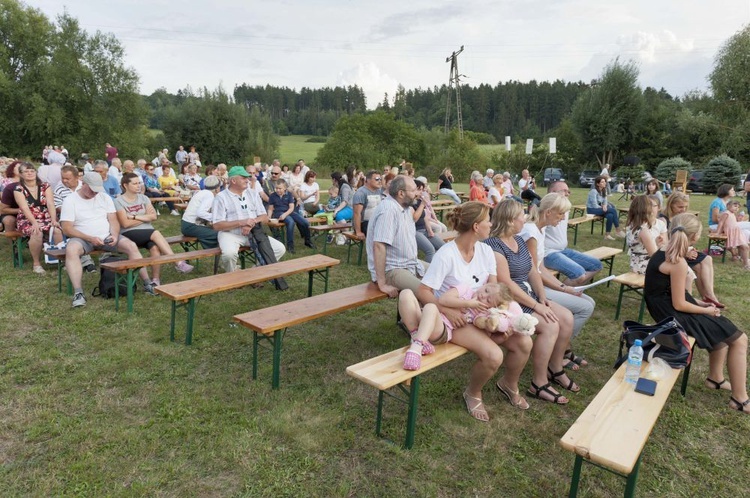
[(587, 177), (695, 181), (551, 175)]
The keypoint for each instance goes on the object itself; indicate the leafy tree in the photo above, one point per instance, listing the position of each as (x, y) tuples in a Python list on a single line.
[(62, 85), (222, 130), (450, 151), (371, 141), (719, 170), (608, 115), (667, 169)]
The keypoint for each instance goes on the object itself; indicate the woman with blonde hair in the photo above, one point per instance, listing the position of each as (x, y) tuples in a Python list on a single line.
[(515, 268), (550, 212), (701, 263), (667, 295), (467, 261), (445, 185)]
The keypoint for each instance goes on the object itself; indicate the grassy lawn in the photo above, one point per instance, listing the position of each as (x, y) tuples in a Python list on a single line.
[(294, 147), (96, 402)]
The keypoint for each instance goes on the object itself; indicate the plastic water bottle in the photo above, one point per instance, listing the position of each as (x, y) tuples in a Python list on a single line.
[(635, 358)]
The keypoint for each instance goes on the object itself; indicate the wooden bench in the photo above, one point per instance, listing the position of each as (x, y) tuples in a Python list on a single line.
[(271, 324), (606, 255), (614, 428), (574, 223), (184, 294), (126, 269), (17, 243), (386, 371), (442, 202), (187, 243), (715, 239), (317, 231), (631, 282), (354, 242), (439, 210), (577, 210), (278, 227)]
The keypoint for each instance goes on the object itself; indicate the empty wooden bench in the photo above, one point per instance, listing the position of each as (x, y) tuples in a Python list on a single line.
[(126, 269), (184, 294), (606, 255), (631, 282), (271, 324), (614, 428), (386, 371), (573, 224)]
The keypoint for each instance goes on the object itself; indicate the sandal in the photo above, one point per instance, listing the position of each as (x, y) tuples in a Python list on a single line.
[(412, 360), (477, 411), (572, 357), (538, 390), (570, 386), (712, 384), (427, 346), (514, 397), (740, 406)]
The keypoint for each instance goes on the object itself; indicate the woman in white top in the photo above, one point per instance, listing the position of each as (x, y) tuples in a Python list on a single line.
[(495, 194), (309, 193), (551, 211)]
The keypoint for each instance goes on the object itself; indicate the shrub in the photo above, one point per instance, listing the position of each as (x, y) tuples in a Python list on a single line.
[(317, 140), (480, 138), (719, 170), (667, 168)]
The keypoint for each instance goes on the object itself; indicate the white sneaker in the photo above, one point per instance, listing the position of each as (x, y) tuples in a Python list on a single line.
[(39, 270), (174, 213), (79, 300), (183, 267)]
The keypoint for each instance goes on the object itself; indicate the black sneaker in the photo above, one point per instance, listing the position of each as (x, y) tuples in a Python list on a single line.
[(79, 300), (91, 268)]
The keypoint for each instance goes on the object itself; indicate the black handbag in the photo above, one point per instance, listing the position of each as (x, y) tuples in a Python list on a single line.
[(666, 340)]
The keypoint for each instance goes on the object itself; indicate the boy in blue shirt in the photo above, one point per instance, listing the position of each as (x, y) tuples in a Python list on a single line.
[(281, 205)]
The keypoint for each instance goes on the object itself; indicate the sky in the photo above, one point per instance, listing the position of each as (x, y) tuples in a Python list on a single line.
[(379, 45)]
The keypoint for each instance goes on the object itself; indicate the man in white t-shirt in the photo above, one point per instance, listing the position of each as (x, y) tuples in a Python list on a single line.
[(88, 219)]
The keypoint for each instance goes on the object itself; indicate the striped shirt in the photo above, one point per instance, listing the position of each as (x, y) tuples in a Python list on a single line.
[(519, 263), (61, 192), (393, 225)]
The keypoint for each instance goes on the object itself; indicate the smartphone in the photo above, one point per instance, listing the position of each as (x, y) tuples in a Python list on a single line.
[(645, 386)]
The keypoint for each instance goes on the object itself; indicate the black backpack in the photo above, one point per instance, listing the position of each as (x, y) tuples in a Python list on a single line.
[(106, 287)]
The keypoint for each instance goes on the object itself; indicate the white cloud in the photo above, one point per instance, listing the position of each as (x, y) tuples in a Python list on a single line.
[(371, 80)]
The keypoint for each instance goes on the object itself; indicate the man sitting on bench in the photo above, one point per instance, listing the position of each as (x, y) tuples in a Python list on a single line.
[(238, 214)]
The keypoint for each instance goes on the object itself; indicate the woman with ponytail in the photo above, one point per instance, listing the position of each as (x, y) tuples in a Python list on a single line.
[(668, 280)]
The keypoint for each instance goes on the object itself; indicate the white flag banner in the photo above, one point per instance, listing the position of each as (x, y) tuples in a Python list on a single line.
[(552, 145), (529, 145), (507, 143)]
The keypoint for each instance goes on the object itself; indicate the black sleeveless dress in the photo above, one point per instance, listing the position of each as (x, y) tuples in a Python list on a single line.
[(710, 332)]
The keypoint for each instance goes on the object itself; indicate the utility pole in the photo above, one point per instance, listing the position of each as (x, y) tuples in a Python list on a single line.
[(454, 80)]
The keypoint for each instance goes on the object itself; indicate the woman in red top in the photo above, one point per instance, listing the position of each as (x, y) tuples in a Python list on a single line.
[(476, 192)]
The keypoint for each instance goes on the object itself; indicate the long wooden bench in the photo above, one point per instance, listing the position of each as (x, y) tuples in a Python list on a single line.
[(439, 210), (614, 428), (631, 282), (184, 294), (126, 269), (17, 243), (188, 244), (573, 223), (386, 371), (270, 324)]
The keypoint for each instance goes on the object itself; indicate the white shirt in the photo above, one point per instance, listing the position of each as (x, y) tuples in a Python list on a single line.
[(308, 192), (531, 231), (158, 172), (88, 215), (199, 207), (228, 206), (556, 238), (448, 268), (113, 171)]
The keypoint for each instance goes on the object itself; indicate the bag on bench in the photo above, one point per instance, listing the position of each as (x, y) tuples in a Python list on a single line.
[(106, 287), (666, 340)]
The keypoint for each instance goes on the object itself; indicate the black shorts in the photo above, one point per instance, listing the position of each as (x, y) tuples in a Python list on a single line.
[(142, 237)]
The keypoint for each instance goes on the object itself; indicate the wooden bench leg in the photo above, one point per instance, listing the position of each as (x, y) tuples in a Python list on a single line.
[(17, 248), (275, 341), (576, 477), (412, 391), (609, 263), (626, 288), (619, 301), (686, 373), (632, 479), (323, 274), (575, 235)]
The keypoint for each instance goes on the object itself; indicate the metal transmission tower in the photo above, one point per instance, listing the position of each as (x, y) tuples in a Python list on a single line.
[(454, 80)]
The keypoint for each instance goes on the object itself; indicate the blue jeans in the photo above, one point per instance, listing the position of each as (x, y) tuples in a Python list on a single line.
[(452, 194), (571, 263), (304, 228), (610, 215), (428, 245)]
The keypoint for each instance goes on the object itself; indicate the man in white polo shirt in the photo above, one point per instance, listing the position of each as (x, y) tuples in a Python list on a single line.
[(88, 219)]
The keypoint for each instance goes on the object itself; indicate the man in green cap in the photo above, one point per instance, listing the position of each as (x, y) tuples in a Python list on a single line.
[(238, 214)]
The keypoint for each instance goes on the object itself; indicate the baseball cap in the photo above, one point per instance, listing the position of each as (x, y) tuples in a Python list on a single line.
[(94, 181), (421, 179), (211, 182), (237, 171)]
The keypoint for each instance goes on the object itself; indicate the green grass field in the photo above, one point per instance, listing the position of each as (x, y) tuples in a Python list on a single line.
[(294, 147), (95, 402)]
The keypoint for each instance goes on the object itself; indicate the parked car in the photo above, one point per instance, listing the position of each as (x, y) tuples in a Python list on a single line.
[(587, 177), (695, 181), (551, 175)]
